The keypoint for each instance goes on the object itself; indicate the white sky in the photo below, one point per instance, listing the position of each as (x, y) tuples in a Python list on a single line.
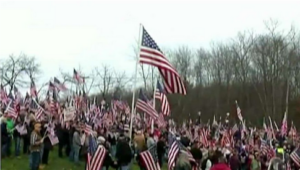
[(66, 34)]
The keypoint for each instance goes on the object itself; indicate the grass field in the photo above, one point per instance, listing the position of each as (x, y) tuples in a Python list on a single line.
[(55, 163)]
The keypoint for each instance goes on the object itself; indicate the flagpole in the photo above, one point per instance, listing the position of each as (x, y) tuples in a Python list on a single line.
[(152, 121), (134, 81)]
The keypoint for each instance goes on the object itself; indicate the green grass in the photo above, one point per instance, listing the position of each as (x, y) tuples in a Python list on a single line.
[(55, 163)]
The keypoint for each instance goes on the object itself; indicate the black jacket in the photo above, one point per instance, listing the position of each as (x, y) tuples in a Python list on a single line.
[(161, 148), (4, 134), (123, 153)]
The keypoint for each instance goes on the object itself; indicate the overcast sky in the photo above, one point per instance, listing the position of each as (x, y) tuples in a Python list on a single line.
[(66, 34)]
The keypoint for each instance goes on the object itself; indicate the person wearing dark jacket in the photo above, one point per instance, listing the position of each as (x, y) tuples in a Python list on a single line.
[(197, 153), (4, 137), (108, 160), (63, 137), (46, 149), (185, 140), (17, 138), (161, 149), (123, 153)]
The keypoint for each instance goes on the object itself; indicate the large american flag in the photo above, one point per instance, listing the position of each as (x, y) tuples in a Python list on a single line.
[(151, 54), (96, 155), (175, 148), (160, 95), (150, 159), (142, 103)]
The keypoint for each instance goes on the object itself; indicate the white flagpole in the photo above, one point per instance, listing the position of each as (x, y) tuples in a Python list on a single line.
[(152, 121), (135, 80)]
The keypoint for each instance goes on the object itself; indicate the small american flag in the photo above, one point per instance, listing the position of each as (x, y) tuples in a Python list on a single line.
[(239, 112), (53, 139), (143, 104), (151, 54), (88, 129), (160, 95), (284, 125), (150, 159), (77, 77), (59, 85), (51, 86), (3, 95), (295, 156), (11, 111), (33, 91)]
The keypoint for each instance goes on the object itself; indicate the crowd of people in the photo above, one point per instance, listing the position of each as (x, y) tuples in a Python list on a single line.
[(198, 146)]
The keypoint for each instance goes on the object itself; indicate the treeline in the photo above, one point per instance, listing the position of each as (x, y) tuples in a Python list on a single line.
[(258, 70)]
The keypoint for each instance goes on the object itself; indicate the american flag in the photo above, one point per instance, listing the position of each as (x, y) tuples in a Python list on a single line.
[(26, 99), (160, 95), (59, 85), (39, 112), (17, 95), (33, 91), (88, 128), (143, 104), (77, 77), (150, 158), (96, 155), (295, 156), (11, 111), (51, 86), (161, 120), (175, 148), (239, 112), (3, 95), (284, 125), (151, 54)]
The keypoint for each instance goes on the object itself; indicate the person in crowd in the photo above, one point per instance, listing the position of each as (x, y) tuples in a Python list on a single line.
[(76, 145), (4, 137), (206, 164), (245, 161), (10, 125), (113, 141), (36, 142), (161, 149), (234, 161), (17, 137), (221, 164), (123, 153), (28, 121), (254, 162), (184, 139), (183, 162), (46, 149), (108, 160), (139, 140), (197, 153), (150, 140)]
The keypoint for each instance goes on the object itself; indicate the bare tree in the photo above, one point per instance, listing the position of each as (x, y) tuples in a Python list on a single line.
[(14, 69), (104, 79)]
